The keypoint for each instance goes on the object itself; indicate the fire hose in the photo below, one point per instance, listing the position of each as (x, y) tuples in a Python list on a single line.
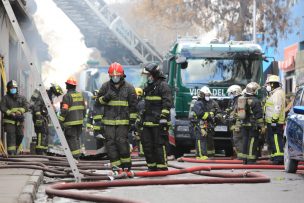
[(59, 189), (56, 168)]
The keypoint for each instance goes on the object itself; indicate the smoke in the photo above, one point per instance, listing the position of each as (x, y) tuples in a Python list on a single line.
[(66, 45)]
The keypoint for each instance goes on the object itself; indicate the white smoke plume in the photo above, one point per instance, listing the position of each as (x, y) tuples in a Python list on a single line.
[(67, 49)]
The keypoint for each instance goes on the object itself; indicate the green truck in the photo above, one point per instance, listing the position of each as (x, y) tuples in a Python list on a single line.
[(189, 65)]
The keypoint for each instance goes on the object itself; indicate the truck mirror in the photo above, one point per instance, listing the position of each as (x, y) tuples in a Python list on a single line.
[(182, 61)]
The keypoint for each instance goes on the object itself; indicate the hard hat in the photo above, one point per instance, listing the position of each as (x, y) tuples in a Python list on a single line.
[(139, 91), (152, 68), (205, 90), (57, 90), (12, 84), (273, 78), (116, 69), (71, 81), (234, 90), (252, 88)]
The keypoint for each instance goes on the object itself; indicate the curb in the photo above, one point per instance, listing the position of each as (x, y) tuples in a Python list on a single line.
[(28, 194)]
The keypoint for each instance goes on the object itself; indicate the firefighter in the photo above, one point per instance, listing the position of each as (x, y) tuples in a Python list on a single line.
[(13, 106), (118, 99), (139, 127), (275, 117), (204, 112), (71, 117), (40, 117), (98, 127), (156, 116), (250, 113), (235, 91)]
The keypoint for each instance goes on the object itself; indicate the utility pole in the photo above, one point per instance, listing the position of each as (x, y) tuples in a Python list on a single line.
[(254, 21)]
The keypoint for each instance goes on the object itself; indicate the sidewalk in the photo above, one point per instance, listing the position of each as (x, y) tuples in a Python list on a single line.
[(19, 185)]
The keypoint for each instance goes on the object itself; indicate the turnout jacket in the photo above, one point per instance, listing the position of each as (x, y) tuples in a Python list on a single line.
[(275, 106), (158, 102), (38, 108), (203, 109), (13, 104), (120, 107), (72, 109)]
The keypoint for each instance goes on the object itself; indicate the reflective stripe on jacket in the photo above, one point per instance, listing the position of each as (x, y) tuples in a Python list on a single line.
[(72, 110), (275, 106), (121, 109), (158, 102), (12, 104)]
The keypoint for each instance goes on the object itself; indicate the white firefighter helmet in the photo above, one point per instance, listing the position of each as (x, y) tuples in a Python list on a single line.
[(273, 78), (252, 88), (234, 90), (204, 90)]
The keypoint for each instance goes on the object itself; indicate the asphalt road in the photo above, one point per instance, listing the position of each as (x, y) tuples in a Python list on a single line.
[(283, 187)]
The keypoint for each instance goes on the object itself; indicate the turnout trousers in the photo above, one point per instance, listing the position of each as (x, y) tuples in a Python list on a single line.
[(72, 134), (275, 141), (238, 144), (117, 145), (200, 142), (42, 133), (14, 136), (250, 143), (154, 145)]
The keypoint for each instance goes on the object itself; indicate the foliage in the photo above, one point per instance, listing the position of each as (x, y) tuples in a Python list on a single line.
[(230, 18)]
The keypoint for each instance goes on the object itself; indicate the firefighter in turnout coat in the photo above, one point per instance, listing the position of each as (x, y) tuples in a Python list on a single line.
[(13, 106), (250, 113), (155, 119), (72, 114), (275, 117), (118, 99), (204, 112), (40, 117)]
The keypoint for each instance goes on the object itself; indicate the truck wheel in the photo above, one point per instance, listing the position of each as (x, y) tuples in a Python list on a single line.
[(228, 151), (179, 151), (290, 165)]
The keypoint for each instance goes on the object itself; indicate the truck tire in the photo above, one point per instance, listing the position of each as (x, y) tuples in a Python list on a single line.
[(179, 151), (228, 151), (290, 165)]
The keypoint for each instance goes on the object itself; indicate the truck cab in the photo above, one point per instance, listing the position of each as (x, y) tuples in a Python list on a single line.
[(189, 65)]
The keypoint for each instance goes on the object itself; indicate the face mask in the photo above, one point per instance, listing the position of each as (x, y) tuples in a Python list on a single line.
[(268, 88), (207, 98), (115, 79), (150, 79), (13, 91)]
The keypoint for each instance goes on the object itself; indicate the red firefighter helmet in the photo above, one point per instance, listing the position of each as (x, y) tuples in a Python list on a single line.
[(71, 81), (116, 69)]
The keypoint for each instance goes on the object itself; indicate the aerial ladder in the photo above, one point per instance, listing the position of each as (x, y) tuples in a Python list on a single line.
[(123, 33), (34, 69)]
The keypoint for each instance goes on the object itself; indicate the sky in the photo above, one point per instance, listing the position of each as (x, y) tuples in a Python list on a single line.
[(66, 45), (297, 11)]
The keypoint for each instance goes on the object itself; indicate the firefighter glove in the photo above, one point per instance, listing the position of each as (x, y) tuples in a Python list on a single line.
[(163, 123), (203, 132), (109, 96), (132, 128), (274, 120), (138, 124), (100, 136)]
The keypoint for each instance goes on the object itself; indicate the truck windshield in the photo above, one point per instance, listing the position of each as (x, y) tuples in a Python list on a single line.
[(221, 71)]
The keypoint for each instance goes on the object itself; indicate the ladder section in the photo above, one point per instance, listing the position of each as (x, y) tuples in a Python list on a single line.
[(96, 33), (123, 31), (41, 88)]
